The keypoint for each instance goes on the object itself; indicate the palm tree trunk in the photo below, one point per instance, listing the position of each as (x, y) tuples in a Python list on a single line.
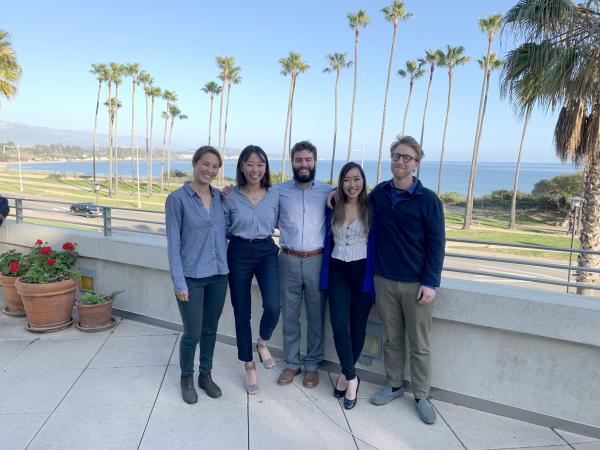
[(469, 206), (147, 148), (225, 130), (150, 179), (132, 136), (221, 114), (410, 91), (353, 93), (287, 124), (94, 148), (335, 120), (162, 158), (291, 117), (590, 219), (513, 203), (212, 99), (169, 153), (110, 154), (387, 90), (116, 141), (425, 112), (439, 186)]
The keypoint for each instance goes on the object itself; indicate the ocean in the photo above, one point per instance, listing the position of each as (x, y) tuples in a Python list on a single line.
[(490, 176)]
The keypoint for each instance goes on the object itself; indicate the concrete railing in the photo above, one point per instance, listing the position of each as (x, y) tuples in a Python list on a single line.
[(518, 352)]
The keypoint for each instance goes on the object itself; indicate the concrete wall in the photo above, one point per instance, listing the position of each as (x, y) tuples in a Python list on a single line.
[(520, 352)]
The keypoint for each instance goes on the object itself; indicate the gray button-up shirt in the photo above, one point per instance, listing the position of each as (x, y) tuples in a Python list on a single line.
[(302, 215), (196, 241), (248, 221)]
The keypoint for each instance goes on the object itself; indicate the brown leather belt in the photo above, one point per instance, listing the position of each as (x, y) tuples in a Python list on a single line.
[(289, 251)]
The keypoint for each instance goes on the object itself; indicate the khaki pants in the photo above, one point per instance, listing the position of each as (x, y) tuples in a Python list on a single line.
[(401, 315)]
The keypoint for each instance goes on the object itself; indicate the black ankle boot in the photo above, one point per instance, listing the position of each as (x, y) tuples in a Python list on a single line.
[(205, 382), (188, 392)]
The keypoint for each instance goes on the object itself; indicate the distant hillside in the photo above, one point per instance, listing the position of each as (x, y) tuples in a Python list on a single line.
[(24, 134)]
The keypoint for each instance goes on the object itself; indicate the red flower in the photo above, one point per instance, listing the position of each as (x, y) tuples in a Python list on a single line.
[(51, 261), (14, 267), (45, 250), (39, 242), (68, 246)]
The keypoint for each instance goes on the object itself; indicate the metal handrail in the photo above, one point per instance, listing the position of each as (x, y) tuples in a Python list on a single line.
[(108, 221)]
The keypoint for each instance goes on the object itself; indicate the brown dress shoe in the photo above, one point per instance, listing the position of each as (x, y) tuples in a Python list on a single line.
[(311, 378), (287, 376)]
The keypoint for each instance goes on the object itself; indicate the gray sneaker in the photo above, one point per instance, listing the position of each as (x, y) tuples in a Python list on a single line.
[(425, 410), (386, 395)]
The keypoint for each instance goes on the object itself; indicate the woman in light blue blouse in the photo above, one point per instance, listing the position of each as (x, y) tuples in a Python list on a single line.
[(196, 245), (251, 211)]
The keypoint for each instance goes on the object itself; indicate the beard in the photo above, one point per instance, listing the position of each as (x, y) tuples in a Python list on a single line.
[(304, 178)]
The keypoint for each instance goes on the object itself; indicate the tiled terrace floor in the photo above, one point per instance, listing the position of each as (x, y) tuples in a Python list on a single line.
[(120, 389)]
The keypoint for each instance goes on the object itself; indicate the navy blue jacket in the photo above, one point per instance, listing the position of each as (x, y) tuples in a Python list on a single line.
[(4, 209), (368, 285), (410, 234)]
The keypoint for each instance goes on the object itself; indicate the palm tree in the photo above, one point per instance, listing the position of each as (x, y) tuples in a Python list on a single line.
[(152, 92), (292, 66), (414, 71), (337, 62), (453, 57), (133, 71), (234, 78), (10, 70), (112, 105), (559, 58), (225, 63), (110, 74), (355, 20), (432, 57), (175, 113), (490, 25), (169, 97), (393, 14), (101, 72), (493, 64), (117, 71), (213, 89), (146, 79)]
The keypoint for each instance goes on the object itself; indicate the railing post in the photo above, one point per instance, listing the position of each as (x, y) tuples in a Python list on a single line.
[(19, 210), (106, 215)]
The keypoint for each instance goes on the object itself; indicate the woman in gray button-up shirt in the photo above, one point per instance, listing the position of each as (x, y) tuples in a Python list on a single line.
[(196, 240), (251, 211)]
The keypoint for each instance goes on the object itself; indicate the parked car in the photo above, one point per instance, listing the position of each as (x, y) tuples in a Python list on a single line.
[(87, 209)]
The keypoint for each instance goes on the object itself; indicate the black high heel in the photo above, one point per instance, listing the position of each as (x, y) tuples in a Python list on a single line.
[(349, 404), (338, 393)]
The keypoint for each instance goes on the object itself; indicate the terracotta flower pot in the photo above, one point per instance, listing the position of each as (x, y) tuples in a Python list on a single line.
[(94, 316), (13, 299), (48, 306)]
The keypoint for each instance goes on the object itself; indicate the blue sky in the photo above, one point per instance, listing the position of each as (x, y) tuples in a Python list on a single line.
[(177, 43)]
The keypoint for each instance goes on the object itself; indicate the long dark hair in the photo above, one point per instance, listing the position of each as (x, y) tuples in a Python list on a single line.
[(364, 213), (240, 178)]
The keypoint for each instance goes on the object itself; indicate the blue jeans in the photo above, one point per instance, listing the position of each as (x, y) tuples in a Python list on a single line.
[(248, 259), (200, 316)]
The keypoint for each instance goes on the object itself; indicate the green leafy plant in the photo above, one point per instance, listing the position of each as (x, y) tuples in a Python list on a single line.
[(10, 264), (87, 298), (46, 265)]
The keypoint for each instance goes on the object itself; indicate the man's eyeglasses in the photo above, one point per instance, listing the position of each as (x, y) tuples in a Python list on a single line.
[(405, 158)]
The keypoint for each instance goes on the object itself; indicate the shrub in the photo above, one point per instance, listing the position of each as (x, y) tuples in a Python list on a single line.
[(452, 197)]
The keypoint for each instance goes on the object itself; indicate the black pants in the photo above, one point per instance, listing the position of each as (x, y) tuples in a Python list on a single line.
[(246, 260), (349, 309), (200, 316)]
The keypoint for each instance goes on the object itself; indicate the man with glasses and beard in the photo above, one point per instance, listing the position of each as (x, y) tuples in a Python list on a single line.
[(302, 232)]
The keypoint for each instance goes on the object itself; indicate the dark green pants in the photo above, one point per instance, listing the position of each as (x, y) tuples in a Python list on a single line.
[(200, 316), (402, 317)]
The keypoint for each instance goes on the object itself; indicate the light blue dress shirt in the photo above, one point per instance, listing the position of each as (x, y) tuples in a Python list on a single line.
[(248, 221), (196, 240), (302, 215)]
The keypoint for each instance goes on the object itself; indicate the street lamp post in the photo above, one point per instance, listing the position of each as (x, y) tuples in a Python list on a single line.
[(576, 202)]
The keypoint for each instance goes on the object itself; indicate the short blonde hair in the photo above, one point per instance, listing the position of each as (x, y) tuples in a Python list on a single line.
[(409, 141)]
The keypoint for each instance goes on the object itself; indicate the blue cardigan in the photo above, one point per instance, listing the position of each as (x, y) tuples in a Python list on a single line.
[(368, 283)]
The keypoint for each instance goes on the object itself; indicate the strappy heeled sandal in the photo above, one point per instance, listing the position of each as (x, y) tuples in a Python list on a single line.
[(250, 388), (268, 363)]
